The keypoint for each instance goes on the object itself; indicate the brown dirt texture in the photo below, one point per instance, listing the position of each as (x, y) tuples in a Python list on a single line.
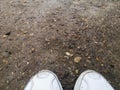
[(64, 36)]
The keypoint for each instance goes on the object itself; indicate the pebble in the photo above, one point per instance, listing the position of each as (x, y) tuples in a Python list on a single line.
[(4, 36), (66, 57), (77, 59), (5, 61), (102, 65), (32, 34), (68, 54), (76, 71), (25, 32), (23, 74), (97, 59), (28, 63), (7, 81), (78, 47), (32, 50), (12, 73), (89, 57), (88, 61)]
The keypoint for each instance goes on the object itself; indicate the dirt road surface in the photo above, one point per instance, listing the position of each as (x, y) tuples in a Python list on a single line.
[(65, 36)]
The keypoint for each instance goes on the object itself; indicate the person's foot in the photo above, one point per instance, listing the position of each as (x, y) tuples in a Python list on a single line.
[(44, 80), (91, 80)]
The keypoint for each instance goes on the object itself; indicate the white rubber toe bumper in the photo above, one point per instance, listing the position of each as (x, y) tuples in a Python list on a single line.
[(44, 80), (91, 80)]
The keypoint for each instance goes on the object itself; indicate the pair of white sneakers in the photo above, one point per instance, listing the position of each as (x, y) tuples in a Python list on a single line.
[(88, 80)]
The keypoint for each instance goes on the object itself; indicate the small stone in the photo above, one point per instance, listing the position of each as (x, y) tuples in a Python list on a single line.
[(102, 65), (32, 50), (89, 57), (88, 61), (97, 58), (19, 12), (76, 71), (12, 73), (85, 65), (7, 81), (28, 63), (47, 40), (5, 36), (23, 74), (68, 54), (84, 19), (66, 57), (5, 61), (77, 59), (32, 34), (51, 51), (25, 32), (78, 47), (54, 20)]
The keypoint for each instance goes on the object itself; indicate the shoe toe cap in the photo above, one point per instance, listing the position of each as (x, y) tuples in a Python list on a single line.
[(44, 80), (96, 81)]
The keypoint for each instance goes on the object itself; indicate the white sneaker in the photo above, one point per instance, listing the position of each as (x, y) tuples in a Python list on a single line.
[(91, 80), (44, 80)]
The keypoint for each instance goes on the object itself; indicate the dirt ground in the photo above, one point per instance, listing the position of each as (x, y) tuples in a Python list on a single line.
[(65, 36)]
